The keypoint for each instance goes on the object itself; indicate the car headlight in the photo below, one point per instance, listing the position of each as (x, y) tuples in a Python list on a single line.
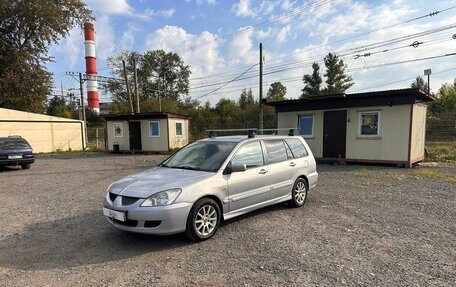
[(162, 198)]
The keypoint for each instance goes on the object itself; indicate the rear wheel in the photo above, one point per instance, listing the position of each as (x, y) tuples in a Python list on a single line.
[(25, 166), (203, 220), (299, 193)]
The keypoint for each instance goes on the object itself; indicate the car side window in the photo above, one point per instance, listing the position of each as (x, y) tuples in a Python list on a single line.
[(276, 151), (250, 154), (297, 147)]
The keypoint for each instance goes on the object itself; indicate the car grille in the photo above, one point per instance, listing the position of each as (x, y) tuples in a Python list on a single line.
[(128, 222), (126, 200)]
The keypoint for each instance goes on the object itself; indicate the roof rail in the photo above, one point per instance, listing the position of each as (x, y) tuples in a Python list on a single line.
[(14, 136), (251, 132), (290, 130)]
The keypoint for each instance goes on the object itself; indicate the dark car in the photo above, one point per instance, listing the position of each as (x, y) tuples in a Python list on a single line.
[(14, 151)]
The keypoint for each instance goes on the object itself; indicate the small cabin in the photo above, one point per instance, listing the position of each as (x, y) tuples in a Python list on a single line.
[(374, 127), (146, 131)]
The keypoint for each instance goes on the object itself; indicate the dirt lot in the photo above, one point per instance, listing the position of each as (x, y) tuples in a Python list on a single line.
[(362, 225)]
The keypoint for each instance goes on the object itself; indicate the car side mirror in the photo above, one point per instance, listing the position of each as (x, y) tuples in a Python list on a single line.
[(230, 168), (238, 167)]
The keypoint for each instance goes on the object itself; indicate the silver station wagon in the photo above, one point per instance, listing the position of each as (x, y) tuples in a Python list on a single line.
[(211, 180)]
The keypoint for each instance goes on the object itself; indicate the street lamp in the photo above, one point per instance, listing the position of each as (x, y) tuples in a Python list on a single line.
[(428, 73)]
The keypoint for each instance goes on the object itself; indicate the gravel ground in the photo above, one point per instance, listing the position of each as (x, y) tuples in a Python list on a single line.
[(362, 226)]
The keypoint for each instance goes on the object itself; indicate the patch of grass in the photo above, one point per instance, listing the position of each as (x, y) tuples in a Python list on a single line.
[(429, 173), (363, 170), (441, 151), (436, 175)]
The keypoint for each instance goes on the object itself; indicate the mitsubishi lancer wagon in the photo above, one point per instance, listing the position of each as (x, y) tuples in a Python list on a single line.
[(212, 180)]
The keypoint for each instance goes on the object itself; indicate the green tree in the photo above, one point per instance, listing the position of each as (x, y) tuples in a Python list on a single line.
[(419, 83), (312, 83), (276, 92), (27, 29), (227, 112), (160, 74), (58, 107), (246, 98), (336, 79), (446, 101)]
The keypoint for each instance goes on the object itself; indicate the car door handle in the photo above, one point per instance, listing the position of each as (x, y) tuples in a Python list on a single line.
[(263, 171), (292, 164)]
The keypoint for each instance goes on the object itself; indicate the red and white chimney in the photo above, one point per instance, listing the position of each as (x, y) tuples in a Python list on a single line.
[(91, 67)]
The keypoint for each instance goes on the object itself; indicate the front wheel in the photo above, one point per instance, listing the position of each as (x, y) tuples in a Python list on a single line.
[(299, 193), (203, 220)]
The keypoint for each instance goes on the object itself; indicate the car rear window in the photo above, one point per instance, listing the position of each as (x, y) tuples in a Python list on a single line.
[(297, 147), (276, 151), (7, 144)]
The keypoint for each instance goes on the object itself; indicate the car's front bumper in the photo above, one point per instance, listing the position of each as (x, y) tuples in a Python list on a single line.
[(160, 220)]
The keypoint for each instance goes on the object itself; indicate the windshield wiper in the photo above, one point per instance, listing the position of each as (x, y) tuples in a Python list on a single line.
[(186, 167), (162, 165)]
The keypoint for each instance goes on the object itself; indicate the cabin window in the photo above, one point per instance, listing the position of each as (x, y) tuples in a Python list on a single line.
[(154, 128), (178, 129), (369, 123), (306, 126), (118, 131)]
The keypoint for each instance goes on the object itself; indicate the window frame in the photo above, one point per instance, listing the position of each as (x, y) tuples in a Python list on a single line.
[(150, 129), (313, 126), (263, 150), (181, 129), (360, 123), (121, 129)]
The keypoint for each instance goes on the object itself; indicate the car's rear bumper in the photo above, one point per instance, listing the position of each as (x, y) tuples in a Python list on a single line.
[(14, 162), (160, 220), (312, 178)]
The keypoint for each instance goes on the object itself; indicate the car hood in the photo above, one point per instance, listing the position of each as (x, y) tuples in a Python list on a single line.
[(154, 180)]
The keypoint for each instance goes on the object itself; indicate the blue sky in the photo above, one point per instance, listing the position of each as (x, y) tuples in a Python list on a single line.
[(219, 40)]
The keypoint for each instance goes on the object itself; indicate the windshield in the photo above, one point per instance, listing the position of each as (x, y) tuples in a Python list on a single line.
[(202, 155), (8, 144)]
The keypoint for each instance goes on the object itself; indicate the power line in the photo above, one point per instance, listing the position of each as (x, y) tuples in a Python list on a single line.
[(431, 14), (226, 83)]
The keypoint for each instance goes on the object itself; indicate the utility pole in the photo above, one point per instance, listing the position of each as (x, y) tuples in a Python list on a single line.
[(128, 88), (136, 86), (83, 108), (261, 88)]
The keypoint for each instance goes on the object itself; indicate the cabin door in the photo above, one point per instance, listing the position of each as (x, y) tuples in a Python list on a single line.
[(135, 136), (334, 134)]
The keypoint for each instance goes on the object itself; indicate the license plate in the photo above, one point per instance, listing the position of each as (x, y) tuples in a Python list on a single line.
[(14, 156), (114, 214)]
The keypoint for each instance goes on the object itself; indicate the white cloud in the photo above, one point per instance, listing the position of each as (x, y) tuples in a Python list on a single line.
[(199, 51), (241, 48), (160, 13), (104, 37), (357, 17), (128, 36), (287, 4), (72, 46), (114, 7), (242, 9), (263, 34), (283, 34), (208, 2)]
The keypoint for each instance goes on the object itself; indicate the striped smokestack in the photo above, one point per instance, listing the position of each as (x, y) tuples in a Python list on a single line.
[(91, 67)]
